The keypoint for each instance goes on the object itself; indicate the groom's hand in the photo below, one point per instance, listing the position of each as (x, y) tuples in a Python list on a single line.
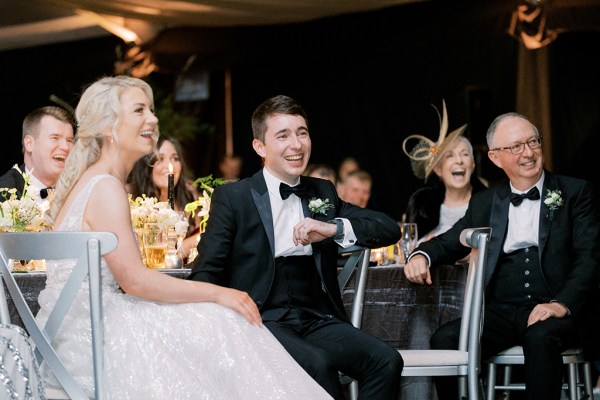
[(310, 231)]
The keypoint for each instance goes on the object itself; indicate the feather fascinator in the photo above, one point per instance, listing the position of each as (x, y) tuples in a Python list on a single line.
[(425, 153)]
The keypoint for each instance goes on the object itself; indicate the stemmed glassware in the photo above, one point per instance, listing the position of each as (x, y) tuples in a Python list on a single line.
[(408, 240)]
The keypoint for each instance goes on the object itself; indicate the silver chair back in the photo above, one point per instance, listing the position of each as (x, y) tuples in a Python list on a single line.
[(87, 248)]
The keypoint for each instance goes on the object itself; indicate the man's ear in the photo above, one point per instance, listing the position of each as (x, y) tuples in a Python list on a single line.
[(494, 158), (259, 147), (28, 143)]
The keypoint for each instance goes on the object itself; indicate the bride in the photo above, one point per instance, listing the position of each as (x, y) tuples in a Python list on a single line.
[(165, 338)]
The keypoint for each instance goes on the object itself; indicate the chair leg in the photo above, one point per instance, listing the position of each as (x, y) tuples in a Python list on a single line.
[(462, 387), (507, 379), (572, 380), (491, 382), (587, 381), (353, 390)]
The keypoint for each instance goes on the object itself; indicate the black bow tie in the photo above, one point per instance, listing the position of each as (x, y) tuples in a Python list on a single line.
[(44, 192), (300, 190), (517, 199)]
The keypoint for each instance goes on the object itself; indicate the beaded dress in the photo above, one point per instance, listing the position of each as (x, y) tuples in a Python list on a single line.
[(157, 350)]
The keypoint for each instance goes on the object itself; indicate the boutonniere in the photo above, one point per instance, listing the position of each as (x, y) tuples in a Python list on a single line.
[(553, 199), (319, 206)]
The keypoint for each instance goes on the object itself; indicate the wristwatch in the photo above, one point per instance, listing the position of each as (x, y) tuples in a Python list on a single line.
[(339, 232)]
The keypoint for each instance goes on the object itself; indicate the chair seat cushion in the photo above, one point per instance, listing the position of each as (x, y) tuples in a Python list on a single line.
[(423, 358)]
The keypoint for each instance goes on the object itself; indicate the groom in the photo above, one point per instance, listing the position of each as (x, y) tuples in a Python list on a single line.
[(266, 237)]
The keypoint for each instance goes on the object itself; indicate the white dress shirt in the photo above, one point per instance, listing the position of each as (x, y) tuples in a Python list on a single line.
[(287, 214), (523, 221)]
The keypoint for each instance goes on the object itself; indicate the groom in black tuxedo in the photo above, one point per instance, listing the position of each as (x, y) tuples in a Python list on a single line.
[(542, 269), (268, 236), (48, 137)]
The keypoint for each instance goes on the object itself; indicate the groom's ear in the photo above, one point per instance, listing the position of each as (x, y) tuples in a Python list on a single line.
[(259, 147)]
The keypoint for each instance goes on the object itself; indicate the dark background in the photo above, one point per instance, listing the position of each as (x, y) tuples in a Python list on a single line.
[(366, 81)]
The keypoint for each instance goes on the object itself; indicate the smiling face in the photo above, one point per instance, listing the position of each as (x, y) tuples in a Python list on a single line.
[(138, 125), (286, 147), (160, 172), (523, 169), (456, 165), (46, 152)]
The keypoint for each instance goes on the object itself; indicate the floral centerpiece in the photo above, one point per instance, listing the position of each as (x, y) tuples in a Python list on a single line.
[(22, 214), (206, 185), (148, 209)]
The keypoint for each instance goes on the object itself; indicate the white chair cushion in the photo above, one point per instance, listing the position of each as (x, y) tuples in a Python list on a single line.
[(423, 358)]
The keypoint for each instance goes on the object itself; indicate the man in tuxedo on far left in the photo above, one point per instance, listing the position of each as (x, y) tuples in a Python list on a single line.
[(48, 137), (276, 236)]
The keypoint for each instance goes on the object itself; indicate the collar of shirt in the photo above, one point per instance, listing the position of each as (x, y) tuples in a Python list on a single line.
[(286, 214), (523, 221), (34, 187)]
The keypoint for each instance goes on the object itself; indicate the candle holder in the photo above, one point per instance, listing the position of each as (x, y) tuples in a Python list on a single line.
[(172, 259)]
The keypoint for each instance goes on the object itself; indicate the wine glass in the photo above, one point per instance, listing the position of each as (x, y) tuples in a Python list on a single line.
[(408, 240)]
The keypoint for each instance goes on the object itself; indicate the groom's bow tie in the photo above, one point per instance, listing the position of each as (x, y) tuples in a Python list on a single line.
[(300, 190), (517, 199), (45, 191)]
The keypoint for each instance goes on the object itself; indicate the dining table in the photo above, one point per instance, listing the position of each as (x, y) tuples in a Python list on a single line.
[(401, 313)]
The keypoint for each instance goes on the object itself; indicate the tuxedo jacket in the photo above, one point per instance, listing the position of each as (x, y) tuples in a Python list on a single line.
[(569, 238), (13, 179), (237, 250)]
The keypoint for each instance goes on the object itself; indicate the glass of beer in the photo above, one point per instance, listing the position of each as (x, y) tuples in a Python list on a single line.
[(155, 244)]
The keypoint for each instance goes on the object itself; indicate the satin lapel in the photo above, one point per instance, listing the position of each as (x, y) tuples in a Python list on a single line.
[(263, 205), (498, 223), (316, 248), (545, 214)]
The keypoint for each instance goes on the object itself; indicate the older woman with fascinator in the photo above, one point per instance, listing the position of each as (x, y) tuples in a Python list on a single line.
[(444, 199)]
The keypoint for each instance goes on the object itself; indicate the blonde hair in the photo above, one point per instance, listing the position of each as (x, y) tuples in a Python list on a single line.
[(99, 108)]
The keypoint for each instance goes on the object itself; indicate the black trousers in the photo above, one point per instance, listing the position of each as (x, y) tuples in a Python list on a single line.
[(505, 326), (325, 346)]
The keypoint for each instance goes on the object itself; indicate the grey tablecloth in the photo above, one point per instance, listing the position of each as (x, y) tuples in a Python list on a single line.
[(397, 311), (405, 315)]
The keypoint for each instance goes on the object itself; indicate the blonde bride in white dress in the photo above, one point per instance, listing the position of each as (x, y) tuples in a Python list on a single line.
[(165, 338)]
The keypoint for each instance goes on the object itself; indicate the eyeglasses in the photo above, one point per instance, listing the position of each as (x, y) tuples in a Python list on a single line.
[(517, 148)]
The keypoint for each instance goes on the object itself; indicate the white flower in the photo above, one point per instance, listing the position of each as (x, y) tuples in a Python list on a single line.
[(319, 206), (20, 214), (553, 199)]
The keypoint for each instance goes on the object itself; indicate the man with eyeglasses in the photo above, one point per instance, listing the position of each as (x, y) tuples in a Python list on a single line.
[(544, 255)]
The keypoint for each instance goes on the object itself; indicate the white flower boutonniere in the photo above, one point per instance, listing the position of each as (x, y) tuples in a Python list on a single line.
[(319, 206), (553, 199)]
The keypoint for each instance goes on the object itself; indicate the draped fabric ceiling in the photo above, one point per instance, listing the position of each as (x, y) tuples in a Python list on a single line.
[(36, 22)]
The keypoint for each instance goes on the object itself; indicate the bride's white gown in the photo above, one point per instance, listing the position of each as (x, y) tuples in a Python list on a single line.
[(170, 351)]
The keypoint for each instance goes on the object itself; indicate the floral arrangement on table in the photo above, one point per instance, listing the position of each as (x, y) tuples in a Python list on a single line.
[(20, 214), (148, 209), (206, 186)]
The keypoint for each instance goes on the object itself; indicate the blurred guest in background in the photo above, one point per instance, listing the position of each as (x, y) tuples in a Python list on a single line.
[(322, 171), (48, 137), (347, 165), (230, 167), (356, 188), (444, 200), (150, 177)]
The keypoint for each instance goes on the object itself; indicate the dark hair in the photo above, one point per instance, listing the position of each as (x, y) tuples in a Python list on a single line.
[(32, 120), (275, 105), (140, 178)]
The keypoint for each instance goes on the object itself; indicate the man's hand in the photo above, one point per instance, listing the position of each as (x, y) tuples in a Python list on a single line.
[(542, 312), (417, 270), (310, 231)]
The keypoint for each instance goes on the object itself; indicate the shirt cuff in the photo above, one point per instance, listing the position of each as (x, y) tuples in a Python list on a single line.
[(348, 238), (414, 253)]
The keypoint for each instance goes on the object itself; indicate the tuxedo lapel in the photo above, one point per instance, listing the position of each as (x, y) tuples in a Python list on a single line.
[(260, 195), (498, 223), (545, 214)]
